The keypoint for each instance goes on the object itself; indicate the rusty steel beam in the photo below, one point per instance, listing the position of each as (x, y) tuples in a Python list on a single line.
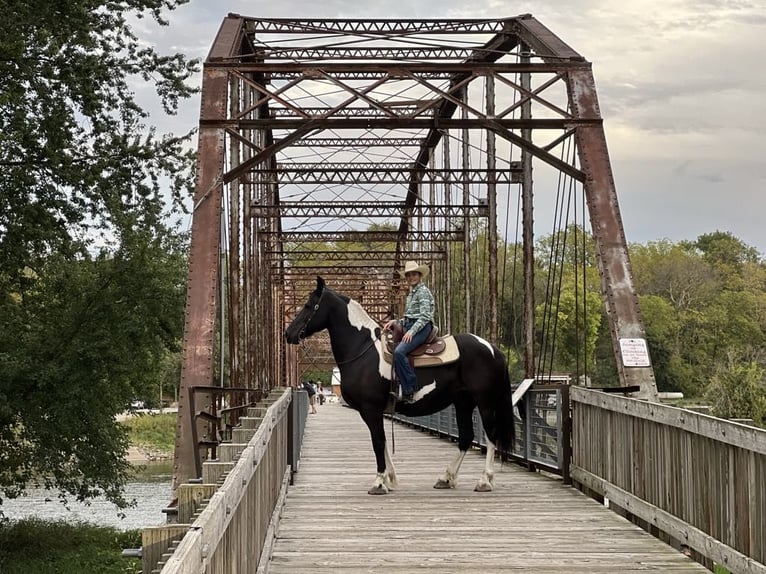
[(365, 236), (376, 27), (378, 255), (352, 112), (354, 143), (393, 70), (372, 209), (350, 173), (393, 123), (202, 285), (276, 52), (625, 321)]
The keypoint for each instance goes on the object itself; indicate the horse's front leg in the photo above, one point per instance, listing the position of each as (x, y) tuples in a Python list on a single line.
[(385, 479)]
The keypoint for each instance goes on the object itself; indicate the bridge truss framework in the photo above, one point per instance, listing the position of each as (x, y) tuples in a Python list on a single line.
[(342, 148)]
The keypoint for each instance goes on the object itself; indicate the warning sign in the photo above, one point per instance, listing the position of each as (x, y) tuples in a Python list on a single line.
[(634, 353)]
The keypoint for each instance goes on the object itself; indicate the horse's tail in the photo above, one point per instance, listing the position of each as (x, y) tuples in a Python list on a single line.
[(504, 421)]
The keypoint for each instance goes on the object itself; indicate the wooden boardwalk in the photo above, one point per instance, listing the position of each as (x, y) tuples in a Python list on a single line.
[(529, 523)]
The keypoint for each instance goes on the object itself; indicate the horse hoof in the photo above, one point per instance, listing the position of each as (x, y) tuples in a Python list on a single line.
[(378, 489), (442, 484), (483, 487)]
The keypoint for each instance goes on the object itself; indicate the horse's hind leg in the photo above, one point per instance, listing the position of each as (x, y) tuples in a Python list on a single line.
[(488, 474), (485, 481), (385, 479), (464, 416)]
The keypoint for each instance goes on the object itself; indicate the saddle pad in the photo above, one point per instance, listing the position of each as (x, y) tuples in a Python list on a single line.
[(449, 355)]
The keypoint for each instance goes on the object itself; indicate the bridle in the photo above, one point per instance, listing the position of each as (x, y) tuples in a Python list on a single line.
[(310, 317), (301, 338)]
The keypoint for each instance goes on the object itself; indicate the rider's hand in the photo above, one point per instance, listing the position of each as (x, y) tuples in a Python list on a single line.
[(407, 337), (389, 324)]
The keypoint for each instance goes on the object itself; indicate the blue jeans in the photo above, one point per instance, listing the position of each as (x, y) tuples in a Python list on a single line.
[(404, 370)]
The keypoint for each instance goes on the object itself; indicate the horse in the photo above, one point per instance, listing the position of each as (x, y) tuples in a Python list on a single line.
[(479, 378)]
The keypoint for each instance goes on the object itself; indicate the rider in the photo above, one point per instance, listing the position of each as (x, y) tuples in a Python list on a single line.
[(417, 322)]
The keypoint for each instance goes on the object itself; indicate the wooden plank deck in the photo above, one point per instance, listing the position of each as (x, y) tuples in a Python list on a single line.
[(529, 523)]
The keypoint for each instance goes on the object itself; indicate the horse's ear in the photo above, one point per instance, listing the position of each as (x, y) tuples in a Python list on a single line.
[(320, 284)]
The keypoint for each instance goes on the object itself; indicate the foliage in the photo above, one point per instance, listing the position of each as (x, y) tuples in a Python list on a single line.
[(738, 390), (153, 430), (39, 547), (91, 278)]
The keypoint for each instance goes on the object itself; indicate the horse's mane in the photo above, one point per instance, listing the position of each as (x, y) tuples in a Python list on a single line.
[(355, 306)]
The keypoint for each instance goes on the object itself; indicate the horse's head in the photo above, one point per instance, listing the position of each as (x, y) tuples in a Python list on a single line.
[(311, 319)]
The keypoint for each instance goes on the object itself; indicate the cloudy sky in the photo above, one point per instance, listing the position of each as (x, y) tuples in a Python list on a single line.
[(681, 84)]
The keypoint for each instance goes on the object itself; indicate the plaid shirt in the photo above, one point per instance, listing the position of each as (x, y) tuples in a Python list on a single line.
[(419, 307)]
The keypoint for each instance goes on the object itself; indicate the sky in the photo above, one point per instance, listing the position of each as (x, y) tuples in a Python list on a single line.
[(681, 86)]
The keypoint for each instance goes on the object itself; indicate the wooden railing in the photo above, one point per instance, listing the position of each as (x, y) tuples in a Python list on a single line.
[(224, 520), (697, 479)]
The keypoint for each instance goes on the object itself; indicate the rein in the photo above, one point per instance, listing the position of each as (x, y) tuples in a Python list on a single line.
[(310, 317), (367, 348)]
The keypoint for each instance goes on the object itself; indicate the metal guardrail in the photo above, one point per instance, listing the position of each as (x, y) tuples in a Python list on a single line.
[(542, 437)]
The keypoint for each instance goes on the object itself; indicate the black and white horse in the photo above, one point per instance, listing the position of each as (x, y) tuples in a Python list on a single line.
[(478, 379)]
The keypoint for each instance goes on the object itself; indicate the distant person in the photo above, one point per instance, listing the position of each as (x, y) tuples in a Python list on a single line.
[(417, 323), (312, 392)]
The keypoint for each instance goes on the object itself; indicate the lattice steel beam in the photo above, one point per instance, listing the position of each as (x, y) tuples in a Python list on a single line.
[(272, 53), (352, 112), (370, 209), (352, 143), (380, 256), (389, 123), (377, 27), (363, 236), (351, 174)]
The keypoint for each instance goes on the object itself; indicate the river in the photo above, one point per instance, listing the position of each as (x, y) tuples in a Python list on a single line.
[(150, 487)]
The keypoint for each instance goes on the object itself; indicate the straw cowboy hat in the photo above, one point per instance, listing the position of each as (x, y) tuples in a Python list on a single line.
[(411, 266)]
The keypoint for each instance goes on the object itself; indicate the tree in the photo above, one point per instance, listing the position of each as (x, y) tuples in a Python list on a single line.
[(738, 390), (91, 278)]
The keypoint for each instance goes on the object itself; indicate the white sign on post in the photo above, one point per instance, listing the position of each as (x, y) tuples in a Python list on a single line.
[(634, 353)]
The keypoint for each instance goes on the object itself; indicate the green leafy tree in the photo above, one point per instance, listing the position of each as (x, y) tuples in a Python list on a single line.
[(91, 278), (738, 390)]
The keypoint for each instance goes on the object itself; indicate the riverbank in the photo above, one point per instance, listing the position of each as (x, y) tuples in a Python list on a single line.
[(151, 435)]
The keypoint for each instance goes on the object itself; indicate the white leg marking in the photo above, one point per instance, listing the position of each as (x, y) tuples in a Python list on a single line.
[(379, 485), (485, 482), (449, 478), (390, 479)]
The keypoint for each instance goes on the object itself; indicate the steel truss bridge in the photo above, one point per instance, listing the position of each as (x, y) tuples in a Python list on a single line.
[(343, 148)]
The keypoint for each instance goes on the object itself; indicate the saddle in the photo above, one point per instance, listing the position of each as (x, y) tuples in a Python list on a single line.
[(436, 350), (432, 346)]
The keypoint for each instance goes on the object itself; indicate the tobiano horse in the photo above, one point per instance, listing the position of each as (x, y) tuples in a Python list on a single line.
[(478, 378)]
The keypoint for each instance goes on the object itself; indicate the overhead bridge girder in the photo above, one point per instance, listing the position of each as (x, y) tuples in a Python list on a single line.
[(364, 236), (379, 256), (370, 209), (432, 123), (362, 175)]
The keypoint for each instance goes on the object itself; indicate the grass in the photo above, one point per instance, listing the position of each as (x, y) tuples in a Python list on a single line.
[(39, 547), (155, 431)]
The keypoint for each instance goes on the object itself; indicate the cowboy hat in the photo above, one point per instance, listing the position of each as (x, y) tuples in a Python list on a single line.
[(412, 266)]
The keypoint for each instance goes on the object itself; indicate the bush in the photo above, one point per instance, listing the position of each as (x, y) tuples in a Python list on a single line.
[(38, 547)]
